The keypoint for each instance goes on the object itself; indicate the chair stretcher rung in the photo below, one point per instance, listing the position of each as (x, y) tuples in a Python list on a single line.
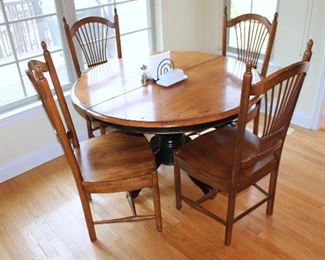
[(260, 189), (126, 219), (203, 210), (250, 209)]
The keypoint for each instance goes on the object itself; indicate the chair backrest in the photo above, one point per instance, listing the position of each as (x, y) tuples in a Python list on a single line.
[(279, 93), (92, 35), (252, 31), (63, 125)]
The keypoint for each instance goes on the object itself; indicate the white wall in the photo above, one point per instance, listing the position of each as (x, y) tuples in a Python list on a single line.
[(196, 25), (27, 140), (189, 25), (298, 22)]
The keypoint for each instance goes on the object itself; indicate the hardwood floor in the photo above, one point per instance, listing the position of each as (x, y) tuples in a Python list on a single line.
[(41, 216)]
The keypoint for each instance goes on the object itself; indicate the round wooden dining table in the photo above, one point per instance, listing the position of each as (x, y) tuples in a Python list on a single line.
[(114, 94)]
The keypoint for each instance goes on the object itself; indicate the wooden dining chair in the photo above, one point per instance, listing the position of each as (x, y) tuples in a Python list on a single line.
[(91, 35), (114, 162), (253, 33), (232, 159)]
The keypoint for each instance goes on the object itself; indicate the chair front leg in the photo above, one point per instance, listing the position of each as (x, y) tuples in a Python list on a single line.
[(88, 215), (177, 176), (230, 217)]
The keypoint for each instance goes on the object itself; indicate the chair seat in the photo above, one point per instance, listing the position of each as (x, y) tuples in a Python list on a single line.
[(209, 158), (114, 157)]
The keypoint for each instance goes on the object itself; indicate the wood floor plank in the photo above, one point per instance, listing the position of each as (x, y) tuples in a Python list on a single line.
[(41, 216)]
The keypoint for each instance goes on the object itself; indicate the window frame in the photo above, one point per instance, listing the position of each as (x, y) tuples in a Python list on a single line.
[(62, 7), (231, 51), (228, 4)]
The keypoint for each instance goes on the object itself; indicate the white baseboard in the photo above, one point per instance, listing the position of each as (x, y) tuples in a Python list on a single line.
[(26, 163), (35, 159), (302, 120)]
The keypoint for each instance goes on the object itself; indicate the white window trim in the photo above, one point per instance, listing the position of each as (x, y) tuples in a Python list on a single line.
[(25, 106)]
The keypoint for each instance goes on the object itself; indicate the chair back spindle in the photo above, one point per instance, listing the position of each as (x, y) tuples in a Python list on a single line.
[(92, 35), (253, 34)]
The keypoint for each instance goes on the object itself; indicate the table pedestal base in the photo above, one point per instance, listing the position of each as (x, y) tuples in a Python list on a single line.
[(163, 146)]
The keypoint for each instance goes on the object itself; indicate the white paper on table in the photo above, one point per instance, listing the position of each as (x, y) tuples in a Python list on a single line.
[(171, 77), (153, 63)]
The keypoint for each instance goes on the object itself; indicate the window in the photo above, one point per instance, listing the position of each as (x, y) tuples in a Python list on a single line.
[(266, 8), (134, 21), (25, 23)]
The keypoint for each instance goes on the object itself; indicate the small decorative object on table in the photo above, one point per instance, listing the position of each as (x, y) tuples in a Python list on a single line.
[(144, 77), (164, 66), (167, 75)]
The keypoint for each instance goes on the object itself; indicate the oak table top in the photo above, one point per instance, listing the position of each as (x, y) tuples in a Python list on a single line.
[(113, 93)]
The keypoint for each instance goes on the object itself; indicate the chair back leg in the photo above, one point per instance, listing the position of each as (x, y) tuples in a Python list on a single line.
[(156, 201), (89, 127), (102, 129), (89, 196), (177, 178)]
